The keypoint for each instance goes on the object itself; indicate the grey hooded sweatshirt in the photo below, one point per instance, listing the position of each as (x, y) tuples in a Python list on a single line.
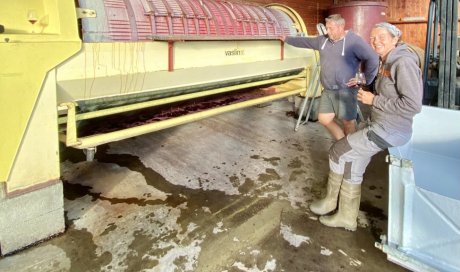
[(399, 92), (340, 60)]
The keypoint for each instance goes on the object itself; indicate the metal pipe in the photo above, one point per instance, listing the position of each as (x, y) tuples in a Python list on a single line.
[(428, 46), (453, 52), (163, 101), (435, 30), (282, 50), (312, 102), (309, 92), (170, 56), (95, 140)]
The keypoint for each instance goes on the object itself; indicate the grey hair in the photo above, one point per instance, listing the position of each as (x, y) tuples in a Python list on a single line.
[(392, 29), (336, 18)]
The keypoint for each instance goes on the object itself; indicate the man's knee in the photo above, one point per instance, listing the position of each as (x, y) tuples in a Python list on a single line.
[(349, 122), (349, 126), (326, 118)]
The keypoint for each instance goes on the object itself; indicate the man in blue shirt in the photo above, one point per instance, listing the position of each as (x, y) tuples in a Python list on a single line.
[(341, 54)]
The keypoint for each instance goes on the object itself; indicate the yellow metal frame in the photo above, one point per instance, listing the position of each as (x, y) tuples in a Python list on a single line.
[(28, 54), (70, 138), (299, 24), (163, 101)]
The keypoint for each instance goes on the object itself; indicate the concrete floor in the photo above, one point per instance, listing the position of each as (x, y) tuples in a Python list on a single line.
[(228, 193)]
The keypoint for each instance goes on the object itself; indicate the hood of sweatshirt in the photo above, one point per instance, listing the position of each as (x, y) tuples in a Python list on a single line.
[(343, 44), (402, 50)]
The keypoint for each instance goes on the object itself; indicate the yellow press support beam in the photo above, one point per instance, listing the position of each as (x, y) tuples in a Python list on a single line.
[(92, 141)]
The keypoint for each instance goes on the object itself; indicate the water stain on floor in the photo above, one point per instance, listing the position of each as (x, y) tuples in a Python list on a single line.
[(228, 193)]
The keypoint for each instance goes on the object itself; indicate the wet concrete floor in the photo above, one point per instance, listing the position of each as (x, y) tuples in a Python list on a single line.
[(228, 193)]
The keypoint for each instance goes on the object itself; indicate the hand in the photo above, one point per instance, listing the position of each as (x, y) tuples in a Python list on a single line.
[(365, 97), (358, 81), (353, 82)]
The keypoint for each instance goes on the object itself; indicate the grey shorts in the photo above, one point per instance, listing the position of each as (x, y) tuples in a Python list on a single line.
[(343, 103)]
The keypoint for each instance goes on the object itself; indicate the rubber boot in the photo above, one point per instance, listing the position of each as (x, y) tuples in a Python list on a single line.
[(347, 215), (329, 203)]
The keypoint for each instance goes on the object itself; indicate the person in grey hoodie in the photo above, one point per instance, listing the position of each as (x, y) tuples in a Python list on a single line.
[(397, 98), (341, 53)]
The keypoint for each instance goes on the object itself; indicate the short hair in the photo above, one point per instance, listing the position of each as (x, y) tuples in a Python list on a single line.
[(392, 29), (336, 18)]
